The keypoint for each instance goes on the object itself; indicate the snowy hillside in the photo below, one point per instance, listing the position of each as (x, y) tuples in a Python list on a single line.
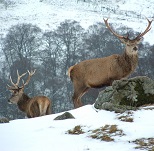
[(46, 134), (47, 14), (129, 130)]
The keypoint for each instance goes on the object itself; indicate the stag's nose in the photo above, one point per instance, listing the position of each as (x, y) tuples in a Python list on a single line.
[(9, 102), (135, 48)]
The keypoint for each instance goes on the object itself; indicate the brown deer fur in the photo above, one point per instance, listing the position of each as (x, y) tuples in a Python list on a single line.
[(100, 72), (33, 107)]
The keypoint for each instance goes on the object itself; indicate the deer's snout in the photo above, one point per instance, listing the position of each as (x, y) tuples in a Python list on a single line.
[(9, 101), (135, 48)]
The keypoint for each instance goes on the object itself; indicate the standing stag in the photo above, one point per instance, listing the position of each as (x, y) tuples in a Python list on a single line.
[(101, 72), (33, 107)]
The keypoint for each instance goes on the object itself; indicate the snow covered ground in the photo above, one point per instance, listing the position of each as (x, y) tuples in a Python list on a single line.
[(46, 134)]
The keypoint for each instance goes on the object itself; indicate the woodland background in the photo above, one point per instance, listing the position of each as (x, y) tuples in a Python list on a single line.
[(26, 47)]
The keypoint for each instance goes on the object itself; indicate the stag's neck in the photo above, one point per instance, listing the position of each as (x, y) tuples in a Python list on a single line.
[(128, 61), (23, 103)]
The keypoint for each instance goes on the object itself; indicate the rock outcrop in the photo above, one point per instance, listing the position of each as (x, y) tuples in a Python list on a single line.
[(126, 94)]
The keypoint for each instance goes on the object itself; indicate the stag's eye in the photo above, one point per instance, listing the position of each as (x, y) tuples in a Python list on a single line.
[(15, 93)]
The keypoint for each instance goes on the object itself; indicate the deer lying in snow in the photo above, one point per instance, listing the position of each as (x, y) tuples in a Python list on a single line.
[(100, 72), (33, 107)]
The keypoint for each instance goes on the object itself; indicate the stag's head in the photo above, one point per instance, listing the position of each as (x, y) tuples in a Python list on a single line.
[(131, 44), (16, 90)]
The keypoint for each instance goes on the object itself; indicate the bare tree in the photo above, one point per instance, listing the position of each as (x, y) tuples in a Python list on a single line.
[(69, 37), (22, 41)]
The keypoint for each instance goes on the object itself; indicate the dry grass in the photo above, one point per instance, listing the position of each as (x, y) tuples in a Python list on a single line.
[(145, 144), (113, 129), (106, 133), (126, 117), (76, 130)]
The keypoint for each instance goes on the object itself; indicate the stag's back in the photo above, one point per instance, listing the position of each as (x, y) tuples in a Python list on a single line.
[(101, 71)]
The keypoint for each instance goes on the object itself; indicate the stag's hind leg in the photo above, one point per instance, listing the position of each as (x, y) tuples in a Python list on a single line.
[(48, 110), (44, 106), (79, 91), (33, 110)]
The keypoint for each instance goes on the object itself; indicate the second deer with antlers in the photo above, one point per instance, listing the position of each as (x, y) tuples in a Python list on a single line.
[(33, 107), (100, 72)]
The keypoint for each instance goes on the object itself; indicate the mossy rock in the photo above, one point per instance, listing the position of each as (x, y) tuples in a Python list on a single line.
[(127, 93)]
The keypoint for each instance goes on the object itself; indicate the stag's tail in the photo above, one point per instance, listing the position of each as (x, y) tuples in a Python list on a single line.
[(69, 71)]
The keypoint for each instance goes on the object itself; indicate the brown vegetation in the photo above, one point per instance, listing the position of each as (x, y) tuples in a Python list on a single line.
[(106, 133)]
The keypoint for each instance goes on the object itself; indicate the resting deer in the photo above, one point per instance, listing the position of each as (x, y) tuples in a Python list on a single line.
[(33, 107), (100, 72)]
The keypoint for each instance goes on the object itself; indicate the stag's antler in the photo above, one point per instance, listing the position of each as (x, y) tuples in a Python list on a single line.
[(108, 26), (125, 39), (146, 30), (30, 74), (16, 85)]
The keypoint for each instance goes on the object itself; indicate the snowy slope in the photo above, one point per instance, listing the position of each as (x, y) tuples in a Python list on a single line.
[(46, 134), (47, 14)]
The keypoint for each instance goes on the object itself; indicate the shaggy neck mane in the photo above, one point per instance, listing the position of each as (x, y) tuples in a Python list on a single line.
[(22, 104), (128, 61)]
